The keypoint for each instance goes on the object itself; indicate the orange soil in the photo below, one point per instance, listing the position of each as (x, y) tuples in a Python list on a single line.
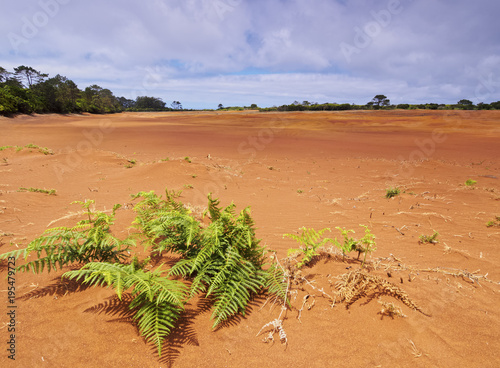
[(342, 162)]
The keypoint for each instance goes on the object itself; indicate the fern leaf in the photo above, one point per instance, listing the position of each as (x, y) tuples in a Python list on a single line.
[(155, 321)]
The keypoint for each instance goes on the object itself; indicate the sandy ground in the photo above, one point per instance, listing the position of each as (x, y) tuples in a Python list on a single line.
[(293, 169)]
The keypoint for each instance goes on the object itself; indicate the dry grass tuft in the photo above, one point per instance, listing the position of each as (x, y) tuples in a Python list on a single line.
[(357, 284), (390, 310)]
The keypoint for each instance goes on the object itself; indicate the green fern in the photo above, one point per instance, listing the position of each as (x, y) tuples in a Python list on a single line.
[(157, 300), (349, 243), (228, 262), (309, 240), (90, 240), (366, 244), (165, 224)]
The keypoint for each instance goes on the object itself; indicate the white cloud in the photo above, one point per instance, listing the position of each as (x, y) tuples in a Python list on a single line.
[(419, 50)]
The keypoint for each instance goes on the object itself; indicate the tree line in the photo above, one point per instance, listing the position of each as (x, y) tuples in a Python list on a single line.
[(26, 90), (381, 102)]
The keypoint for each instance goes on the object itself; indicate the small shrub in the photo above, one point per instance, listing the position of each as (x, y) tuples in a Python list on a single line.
[(432, 239), (300, 191), (187, 159), (470, 182), (309, 240), (392, 192)]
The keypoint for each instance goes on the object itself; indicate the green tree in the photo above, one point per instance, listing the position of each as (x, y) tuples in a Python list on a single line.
[(380, 101), (149, 103), (29, 75)]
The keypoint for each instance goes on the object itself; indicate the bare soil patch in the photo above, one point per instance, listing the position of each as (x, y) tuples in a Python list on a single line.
[(293, 169)]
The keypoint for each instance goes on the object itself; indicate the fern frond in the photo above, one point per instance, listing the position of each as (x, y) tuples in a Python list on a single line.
[(101, 273), (155, 321)]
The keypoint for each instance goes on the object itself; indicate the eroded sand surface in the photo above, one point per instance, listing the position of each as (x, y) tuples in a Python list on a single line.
[(293, 169)]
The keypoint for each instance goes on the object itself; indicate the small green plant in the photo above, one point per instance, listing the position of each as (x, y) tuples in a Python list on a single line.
[(131, 164), (310, 240), (19, 148), (187, 159), (90, 240), (43, 150), (166, 159), (194, 176), (300, 191), (432, 239), (4, 148), (470, 182), (392, 192), (38, 190), (188, 186), (495, 222), (349, 243), (366, 244)]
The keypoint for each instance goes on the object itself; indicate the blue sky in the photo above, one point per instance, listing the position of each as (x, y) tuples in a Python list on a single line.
[(268, 52)]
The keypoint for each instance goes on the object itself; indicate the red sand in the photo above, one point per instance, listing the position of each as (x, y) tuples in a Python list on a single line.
[(341, 162)]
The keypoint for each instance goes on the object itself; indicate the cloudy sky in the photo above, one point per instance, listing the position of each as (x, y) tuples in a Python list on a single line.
[(268, 52)]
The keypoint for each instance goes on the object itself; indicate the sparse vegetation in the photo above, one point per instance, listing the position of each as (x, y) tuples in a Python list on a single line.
[(187, 159), (43, 150), (432, 239), (310, 240), (392, 192), (470, 182), (494, 223), (38, 190), (223, 260), (390, 310)]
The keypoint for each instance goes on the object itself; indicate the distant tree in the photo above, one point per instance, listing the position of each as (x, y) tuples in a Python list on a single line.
[(483, 106), (29, 75), (149, 103), (176, 105), (403, 106), (126, 103), (380, 101), (254, 106), (220, 106), (466, 102), (4, 75), (495, 105)]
